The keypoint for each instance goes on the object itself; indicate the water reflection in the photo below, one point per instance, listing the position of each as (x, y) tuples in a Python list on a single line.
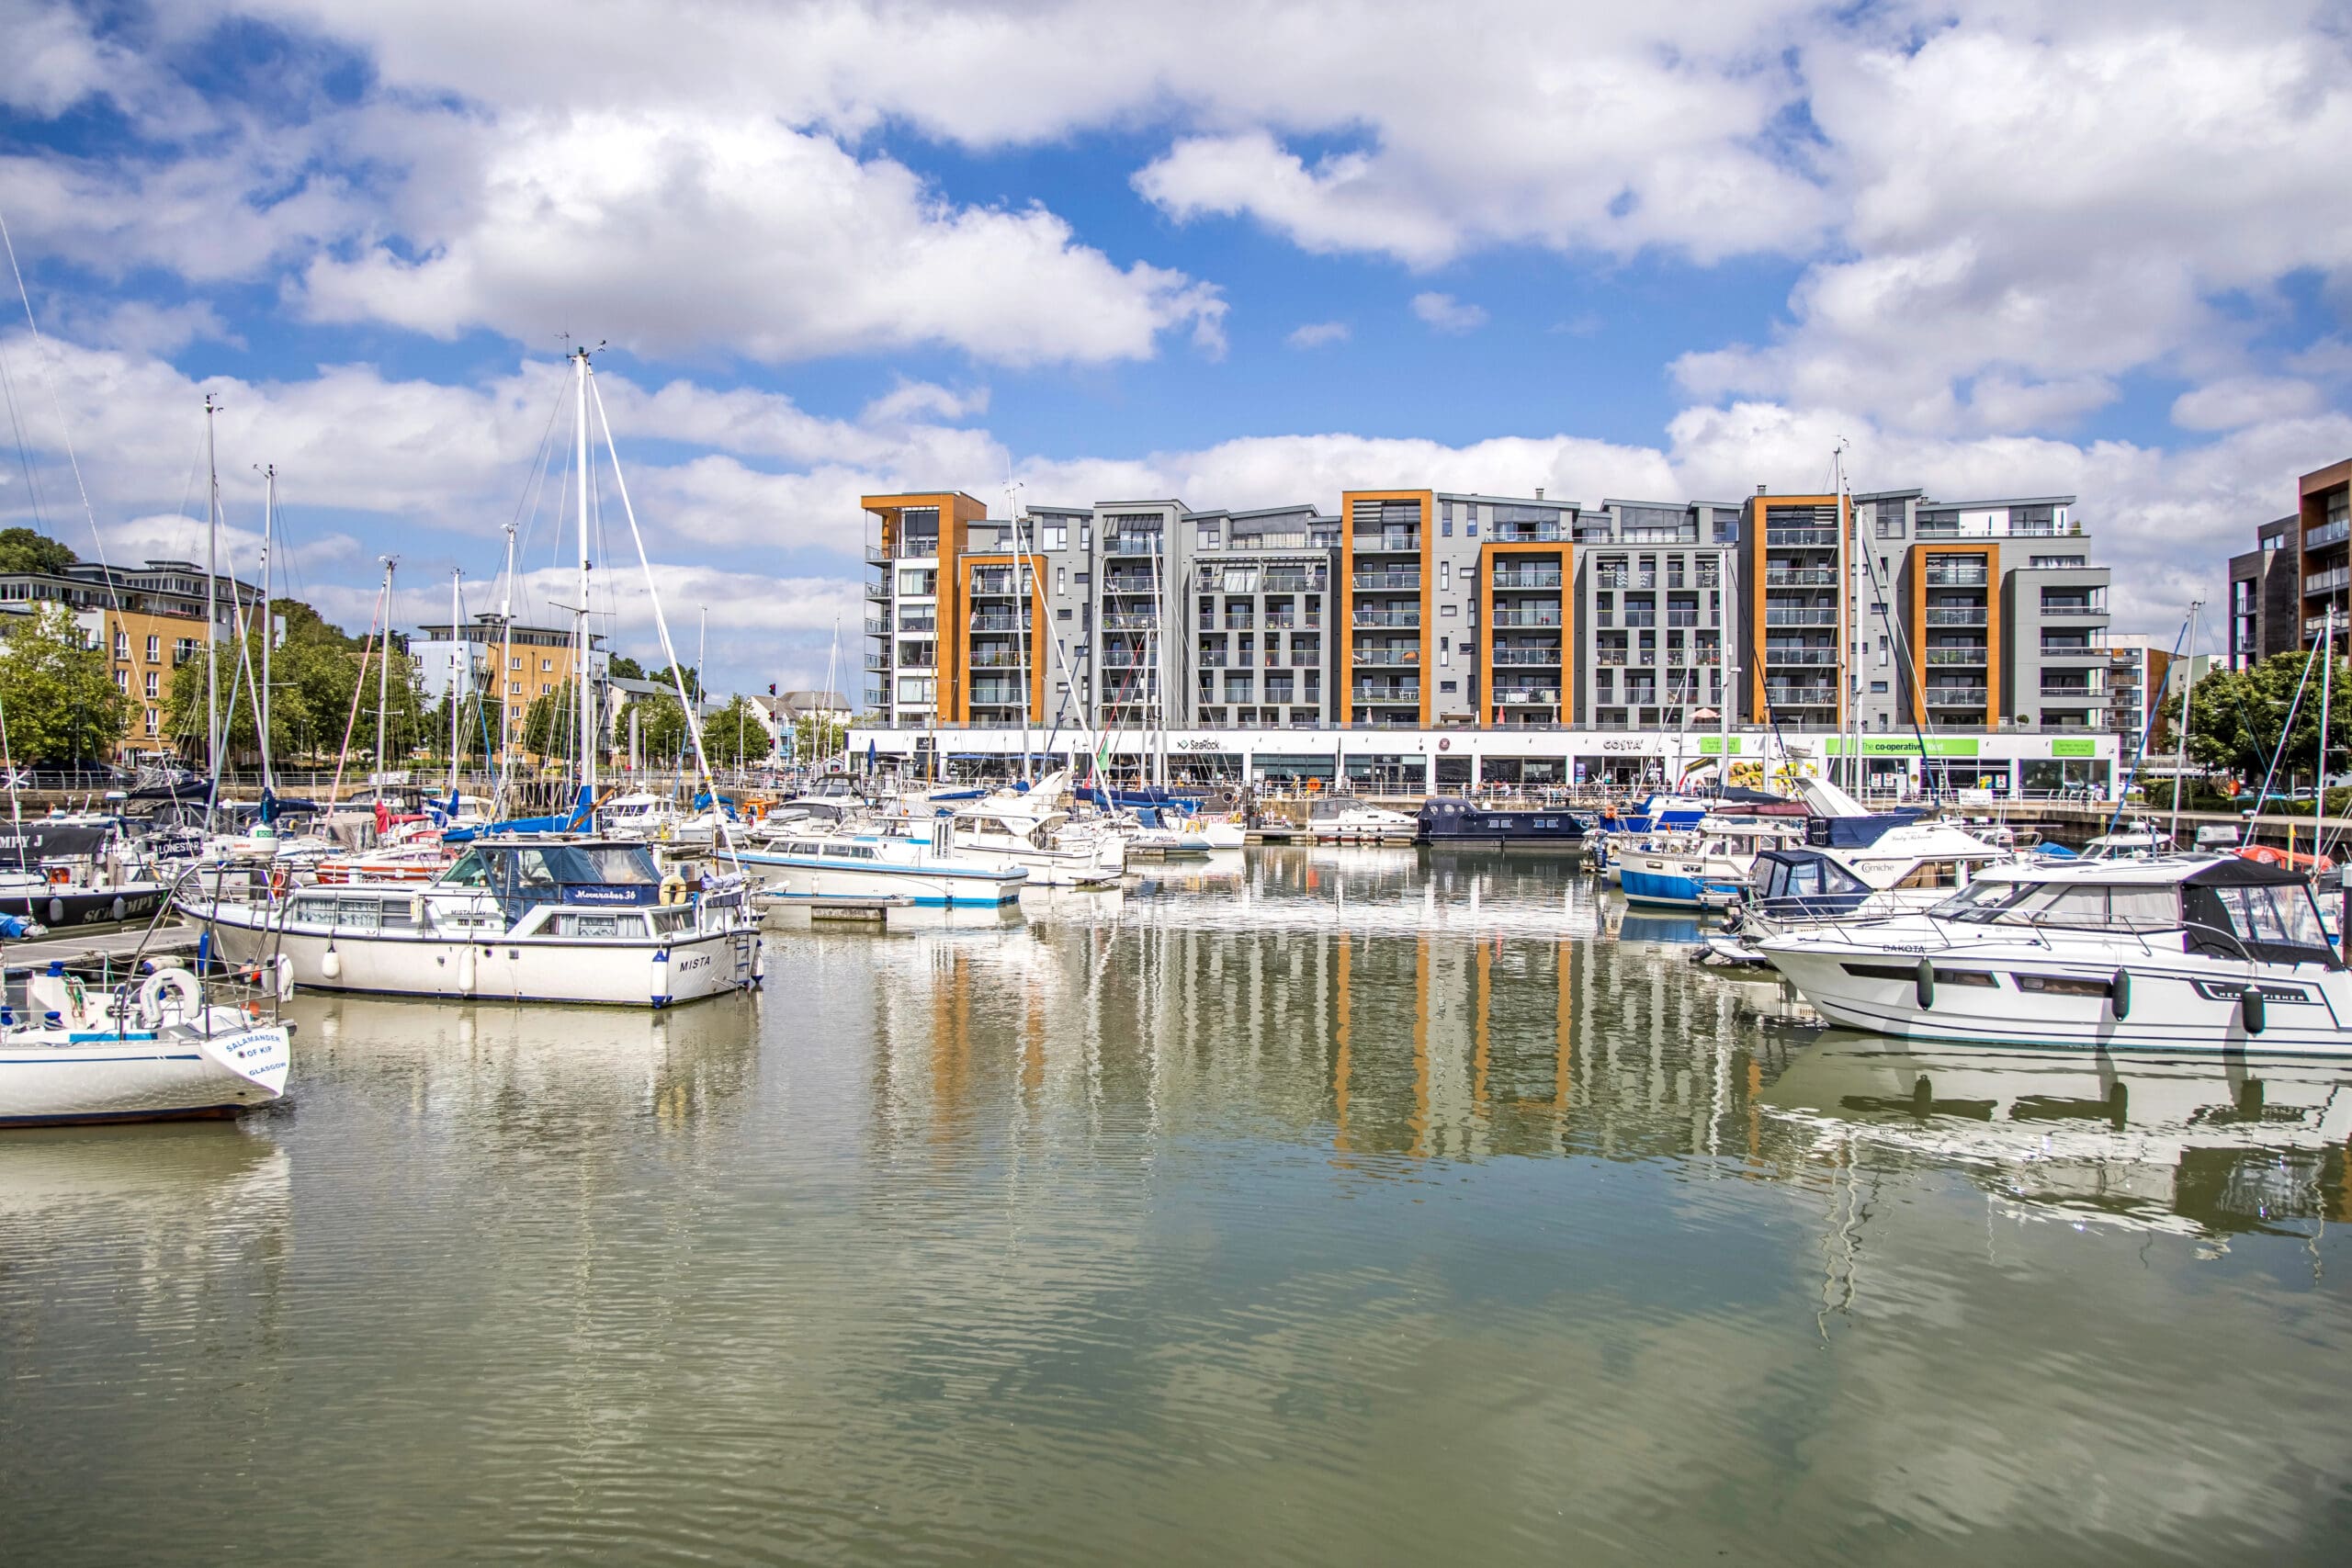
[(2215, 1146)]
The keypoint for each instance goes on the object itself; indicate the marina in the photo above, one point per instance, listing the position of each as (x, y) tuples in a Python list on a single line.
[(1156, 1219)]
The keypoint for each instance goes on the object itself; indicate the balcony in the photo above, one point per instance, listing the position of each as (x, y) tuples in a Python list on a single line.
[(1388, 541), (1526, 533), (1957, 617), (1505, 580), (1000, 622), (1801, 697), (1643, 579), (2327, 582), (2073, 651), (1801, 538), (1611, 656), (1234, 623), (2075, 693), (877, 590), (1294, 582), (1527, 658), (992, 584), (1137, 621), (1134, 545), (1639, 620), (1401, 619), (877, 661), (1818, 655), (2065, 608), (2327, 533), (1540, 616), (1956, 696), (1547, 696), (997, 658), (1800, 577), (994, 693), (1131, 586), (1387, 580), (872, 628), (1690, 618), (1954, 577), (1808, 617), (1388, 655), (1385, 691), (1953, 656)]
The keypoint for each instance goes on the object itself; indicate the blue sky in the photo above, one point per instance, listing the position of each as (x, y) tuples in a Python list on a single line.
[(1240, 254)]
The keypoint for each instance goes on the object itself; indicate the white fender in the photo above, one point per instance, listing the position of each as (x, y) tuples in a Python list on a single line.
[(118, 908), (331, 966), (176, 984), (285, 977), (466, 969)]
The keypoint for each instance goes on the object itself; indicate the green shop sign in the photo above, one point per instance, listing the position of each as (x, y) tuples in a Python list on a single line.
[(1713, 745), (2074, 747), (1907, 745)]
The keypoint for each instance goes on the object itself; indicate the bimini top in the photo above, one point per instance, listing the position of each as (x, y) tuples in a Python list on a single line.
[(2183, 870)]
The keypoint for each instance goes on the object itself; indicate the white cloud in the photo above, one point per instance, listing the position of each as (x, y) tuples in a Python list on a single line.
[(2241, 400), (909, 399), (1447, 314), (1318, 334)]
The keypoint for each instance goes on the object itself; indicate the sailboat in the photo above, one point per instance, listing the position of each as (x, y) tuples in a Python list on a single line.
[(545, 910)]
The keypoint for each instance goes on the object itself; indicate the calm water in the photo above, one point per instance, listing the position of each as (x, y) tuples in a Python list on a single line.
[(1339, 1207)]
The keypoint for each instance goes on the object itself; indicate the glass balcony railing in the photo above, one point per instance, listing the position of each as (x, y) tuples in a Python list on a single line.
[(1956, 617), (1511, 579), (1388, 655), (2327, 533), (1527, 658), (1388, 618), (1953, 656), (1956, 696), (1540, 615), (1386, 579)]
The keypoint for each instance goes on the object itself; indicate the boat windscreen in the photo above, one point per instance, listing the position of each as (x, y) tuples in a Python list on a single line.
[(607, 865), (2277, 922), (2138, 906)]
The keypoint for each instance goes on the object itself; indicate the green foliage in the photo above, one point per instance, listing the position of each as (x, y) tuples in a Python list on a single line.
[(56, 695), (815, 738), (313, 675), (626, 668), (22, 549), (2235, 716), (661, 729), (734, 736), (670, 682)]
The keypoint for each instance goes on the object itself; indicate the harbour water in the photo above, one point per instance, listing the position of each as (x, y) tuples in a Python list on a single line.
[(1316, 1206)]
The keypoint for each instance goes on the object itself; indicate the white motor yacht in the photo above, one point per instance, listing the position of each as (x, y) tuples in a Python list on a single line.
[(1343, 820), (2181, 953), (521, 919), (845, 864), (1706, 867)]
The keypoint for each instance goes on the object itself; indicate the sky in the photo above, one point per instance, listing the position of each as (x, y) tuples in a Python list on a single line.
[(1237, 254)]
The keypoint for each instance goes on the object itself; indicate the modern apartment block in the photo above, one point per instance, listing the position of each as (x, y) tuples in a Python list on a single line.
[(1425, 609), (1655, 589), (2300, 567)]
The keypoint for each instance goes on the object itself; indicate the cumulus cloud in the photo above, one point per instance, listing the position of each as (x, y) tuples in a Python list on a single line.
[(1317, 334), (1447, 314), (2241, 400)]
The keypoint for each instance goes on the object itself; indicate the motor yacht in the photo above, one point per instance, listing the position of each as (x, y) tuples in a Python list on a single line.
[(847, 864), (2176, 953), (1707, 867), (541, 919)]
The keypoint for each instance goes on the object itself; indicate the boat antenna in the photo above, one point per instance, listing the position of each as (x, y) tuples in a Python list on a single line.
[(211, 608)]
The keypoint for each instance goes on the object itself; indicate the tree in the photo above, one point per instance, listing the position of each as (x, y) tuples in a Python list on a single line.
[(57, 696), (626, 668), (685, 673), (2235, 715), (661, 728), (816, 736), (314, 673), (22, 549), (734, 736)]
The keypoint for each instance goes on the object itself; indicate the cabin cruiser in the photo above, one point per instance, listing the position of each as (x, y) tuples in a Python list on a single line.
[(543, 919), (147, 1049), (1893, 868), (1040, 838), (60, 871), (2135, 841), (2177, 953), (1706, 868), (846, 864), (1341, 819)]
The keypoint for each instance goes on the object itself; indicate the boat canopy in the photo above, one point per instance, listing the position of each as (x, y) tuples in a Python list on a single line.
[(582, 814), (597, 872), (1806, 883)]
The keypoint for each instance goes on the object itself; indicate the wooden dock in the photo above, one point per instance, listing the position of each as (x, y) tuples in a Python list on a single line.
[(840, 907)]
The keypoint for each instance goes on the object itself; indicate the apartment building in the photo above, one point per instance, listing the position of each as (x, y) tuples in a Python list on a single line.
[(538, 662), (2299, 568), (149, 618), (1424, 609), (2139, 678), (1657, 594)]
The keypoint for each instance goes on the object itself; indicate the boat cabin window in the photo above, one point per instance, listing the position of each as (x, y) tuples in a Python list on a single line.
[(470, 871), (2066, 905), (1932, 874), (2275, 922)]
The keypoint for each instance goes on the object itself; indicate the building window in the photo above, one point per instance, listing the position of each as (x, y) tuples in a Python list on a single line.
[(121, 643), (1471, 529), (1448, 686), (122, 680), (546, 664), (154, 650), (1878, 688), (154, 721), (1061, 581), (1062, 614), (1445, 528), (1446, 609), (154, 684), (1470, 512), (1056, 535), (1445, 575), (513, 688)]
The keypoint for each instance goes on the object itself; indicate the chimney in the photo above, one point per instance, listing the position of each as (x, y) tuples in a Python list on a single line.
[(1762, 490), (1539, 492)]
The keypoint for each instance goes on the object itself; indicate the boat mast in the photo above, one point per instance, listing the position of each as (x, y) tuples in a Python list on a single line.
[(1846, 672), (384, 687), (211, 603), (2180, 741), (2319, 788), (580, 616), (457, 629), (268, 620), (1729, 589), (506, 664)]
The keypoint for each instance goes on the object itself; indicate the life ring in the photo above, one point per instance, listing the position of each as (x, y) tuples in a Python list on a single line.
[(176, 983), (674, 888)]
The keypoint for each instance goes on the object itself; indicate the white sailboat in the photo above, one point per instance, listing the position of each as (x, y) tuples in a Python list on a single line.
[(144, 1050), (537, 911)]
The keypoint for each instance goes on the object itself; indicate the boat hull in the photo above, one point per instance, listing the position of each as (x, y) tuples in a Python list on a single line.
[(795, 877), (2180, 1004), (159, 1078), (62, 908), (617, 974)]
